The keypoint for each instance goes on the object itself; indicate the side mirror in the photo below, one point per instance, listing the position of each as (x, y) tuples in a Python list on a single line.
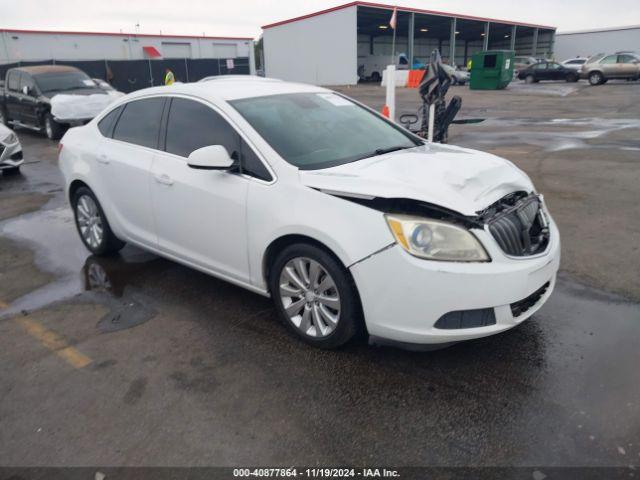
[(213, 157), (25, 90)]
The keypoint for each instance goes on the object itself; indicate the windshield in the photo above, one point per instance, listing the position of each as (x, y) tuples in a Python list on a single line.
[(321, 130), (59, 81)]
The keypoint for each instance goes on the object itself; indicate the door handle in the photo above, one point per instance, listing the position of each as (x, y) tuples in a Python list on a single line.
[(103, 159), (164, 179)]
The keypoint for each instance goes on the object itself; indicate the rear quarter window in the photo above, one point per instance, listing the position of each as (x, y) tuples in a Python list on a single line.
[(108, 121)]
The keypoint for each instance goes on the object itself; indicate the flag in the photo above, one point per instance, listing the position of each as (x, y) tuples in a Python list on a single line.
[(394, 16)]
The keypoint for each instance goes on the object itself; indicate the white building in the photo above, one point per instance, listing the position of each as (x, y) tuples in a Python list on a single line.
[(589, 42), (326, 47), (39, 45)]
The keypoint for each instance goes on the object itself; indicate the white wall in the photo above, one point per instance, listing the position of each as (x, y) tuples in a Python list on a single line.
[(569, 45), (320, 50), (16, 46)]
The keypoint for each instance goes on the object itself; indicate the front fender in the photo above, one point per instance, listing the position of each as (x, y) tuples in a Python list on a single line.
[(351, 231)]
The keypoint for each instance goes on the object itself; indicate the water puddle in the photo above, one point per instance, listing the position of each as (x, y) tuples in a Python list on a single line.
[(550, 89), (51, 234), (551, 135)]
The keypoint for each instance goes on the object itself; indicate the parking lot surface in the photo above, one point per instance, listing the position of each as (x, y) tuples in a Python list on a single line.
[(135, 360)]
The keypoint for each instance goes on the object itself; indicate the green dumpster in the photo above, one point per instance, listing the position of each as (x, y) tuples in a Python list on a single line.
[(491, 70)]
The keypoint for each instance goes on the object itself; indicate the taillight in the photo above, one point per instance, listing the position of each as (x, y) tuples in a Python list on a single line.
[(60, 145)]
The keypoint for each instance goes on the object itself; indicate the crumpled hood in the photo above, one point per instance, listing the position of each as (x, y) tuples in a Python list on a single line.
[(459, 179), (71, 106)]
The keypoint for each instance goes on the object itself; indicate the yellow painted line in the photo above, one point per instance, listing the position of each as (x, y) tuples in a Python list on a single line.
[(55, 343)]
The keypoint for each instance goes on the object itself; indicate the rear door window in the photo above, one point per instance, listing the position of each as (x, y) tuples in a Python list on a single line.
[(609, 59), (627, 59), (140, 122)]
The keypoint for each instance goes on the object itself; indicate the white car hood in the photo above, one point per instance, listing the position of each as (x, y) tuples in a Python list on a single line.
[(459, 179), (75, 107)]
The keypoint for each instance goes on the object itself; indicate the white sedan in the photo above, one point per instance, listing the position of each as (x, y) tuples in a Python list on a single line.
[(349, 222), (10, 151)]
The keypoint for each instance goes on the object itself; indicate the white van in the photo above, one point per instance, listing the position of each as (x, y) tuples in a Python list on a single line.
[(372, 66)]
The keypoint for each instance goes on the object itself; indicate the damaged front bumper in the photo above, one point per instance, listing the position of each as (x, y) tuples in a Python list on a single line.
[(415, 302)]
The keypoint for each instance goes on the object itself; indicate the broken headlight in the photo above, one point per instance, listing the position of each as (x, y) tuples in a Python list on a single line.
[(436, 240)]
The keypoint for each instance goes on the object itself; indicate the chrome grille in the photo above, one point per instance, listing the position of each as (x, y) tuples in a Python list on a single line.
[(522, 229)]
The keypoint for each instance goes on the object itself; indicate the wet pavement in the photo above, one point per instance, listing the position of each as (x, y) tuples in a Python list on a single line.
[(136, 360)]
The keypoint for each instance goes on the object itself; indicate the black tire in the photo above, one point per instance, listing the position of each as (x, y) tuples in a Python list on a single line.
[(375, 77), (4, 119), (350, 322), (109, 243), (596, 78), (572, 77), (11, 171), (529, 79), (52, 129)]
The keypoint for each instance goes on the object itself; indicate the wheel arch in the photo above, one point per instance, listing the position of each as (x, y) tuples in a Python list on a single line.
[(74, 186), (280, 243)]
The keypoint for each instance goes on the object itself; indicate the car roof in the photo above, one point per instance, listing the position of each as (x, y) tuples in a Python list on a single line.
[(39, 69), (231, 89), (238, 77)]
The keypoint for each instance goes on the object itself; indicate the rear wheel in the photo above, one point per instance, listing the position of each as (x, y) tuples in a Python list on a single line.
[(529, 79), (375, 77), (92, 224), (315, 296), (596, 78), (52, 129), (572, 77)]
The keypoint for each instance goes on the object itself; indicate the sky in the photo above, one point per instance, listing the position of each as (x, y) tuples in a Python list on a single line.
[(245, 17)]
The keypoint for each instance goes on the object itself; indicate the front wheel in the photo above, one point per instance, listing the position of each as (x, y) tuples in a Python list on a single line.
[(315, 296), (529, 79), (92, 224), (52, 129), (596, 78)]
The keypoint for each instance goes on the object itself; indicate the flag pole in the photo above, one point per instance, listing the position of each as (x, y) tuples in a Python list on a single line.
[(393, 42)]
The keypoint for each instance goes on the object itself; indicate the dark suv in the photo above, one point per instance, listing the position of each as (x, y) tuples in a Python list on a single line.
[(26, 97)]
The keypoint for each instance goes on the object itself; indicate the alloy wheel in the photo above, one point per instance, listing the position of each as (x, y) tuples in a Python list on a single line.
[(595, 78), (89, 221), (310, 297)]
